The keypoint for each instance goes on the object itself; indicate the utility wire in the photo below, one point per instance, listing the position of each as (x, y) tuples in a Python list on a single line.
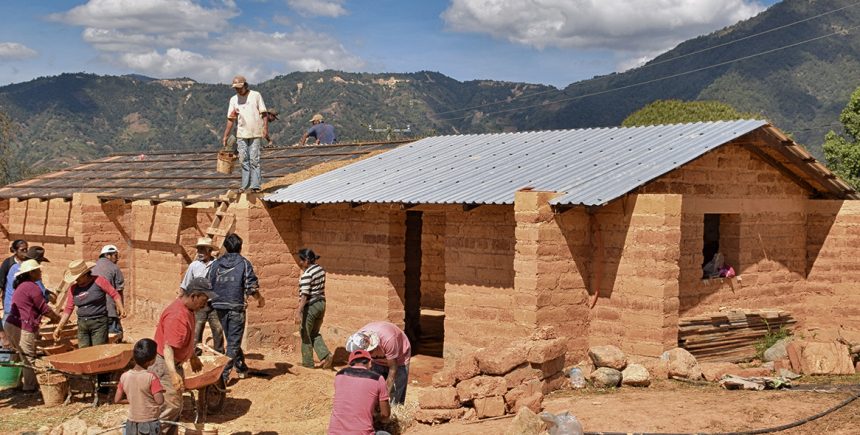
[(672, 76), (660, 62)]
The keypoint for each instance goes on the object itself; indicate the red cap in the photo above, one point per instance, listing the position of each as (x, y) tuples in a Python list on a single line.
[(359, 353)]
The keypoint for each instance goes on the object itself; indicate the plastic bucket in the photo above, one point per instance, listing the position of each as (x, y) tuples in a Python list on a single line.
[(54, 388), (9, 376), (198, 429)]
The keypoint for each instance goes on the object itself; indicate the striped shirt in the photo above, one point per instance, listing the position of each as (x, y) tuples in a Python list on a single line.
[(312, 283)]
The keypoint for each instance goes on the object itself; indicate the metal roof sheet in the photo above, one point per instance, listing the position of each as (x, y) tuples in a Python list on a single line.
[(592, 166)]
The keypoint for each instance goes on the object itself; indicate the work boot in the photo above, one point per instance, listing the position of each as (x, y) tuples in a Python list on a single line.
[(326, 362)]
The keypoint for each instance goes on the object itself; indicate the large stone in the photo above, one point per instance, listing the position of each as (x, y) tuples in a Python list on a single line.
[(435, 416), (793, 349), (481, 386), (521, 374), (608, 356), (546, 350), (493, 406), (826, 359), (605, 377), (550, 368), (72, 426), (682, 364), (439, 398), (778, 350), (635, 375), (444, 378), (657, 367), (526, 423), (714, 371), (499, 362), (466, 368)]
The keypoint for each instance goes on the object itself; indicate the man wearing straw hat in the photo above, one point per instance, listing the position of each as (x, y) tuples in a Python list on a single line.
[(88, 294), (322, 132), (25, 316), (199, 268)]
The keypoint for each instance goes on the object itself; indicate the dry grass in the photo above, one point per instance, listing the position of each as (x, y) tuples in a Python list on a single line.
[(313, 171)]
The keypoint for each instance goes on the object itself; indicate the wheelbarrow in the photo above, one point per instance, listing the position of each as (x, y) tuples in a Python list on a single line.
[(205, 387), (83, 367)]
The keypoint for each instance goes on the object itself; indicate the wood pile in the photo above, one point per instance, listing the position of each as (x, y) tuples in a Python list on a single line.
[(729, 336)]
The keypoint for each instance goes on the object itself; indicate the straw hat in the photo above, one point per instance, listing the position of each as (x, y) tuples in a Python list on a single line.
[(363, 340), (28, 266), (318, 118), (76, 269), (205, 241)]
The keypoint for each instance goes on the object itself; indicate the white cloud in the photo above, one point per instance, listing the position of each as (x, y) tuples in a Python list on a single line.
[(321, 8), (180, 38), (635, 28), (16, 51), (282, 20)]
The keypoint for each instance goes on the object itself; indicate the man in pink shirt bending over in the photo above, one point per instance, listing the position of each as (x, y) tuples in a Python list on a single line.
[(390, 349)]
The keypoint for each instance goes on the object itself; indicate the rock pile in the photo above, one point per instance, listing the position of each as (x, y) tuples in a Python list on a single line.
[(496, 381), (612, 369)]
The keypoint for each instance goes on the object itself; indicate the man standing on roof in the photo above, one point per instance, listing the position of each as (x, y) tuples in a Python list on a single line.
[(199, 268), (324, 133), (106, 268), (391, 352), (247, 111)]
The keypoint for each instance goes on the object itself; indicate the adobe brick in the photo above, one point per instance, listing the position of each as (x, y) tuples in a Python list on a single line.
[(466, 368), (545, 350), (439, 398), (444, 378), (487, 407), (550, 368), (523, 373), (525, 389), (480, 387), (437, 416)]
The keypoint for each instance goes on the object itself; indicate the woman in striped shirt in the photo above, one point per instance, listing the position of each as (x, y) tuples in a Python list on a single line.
[(311, 310)]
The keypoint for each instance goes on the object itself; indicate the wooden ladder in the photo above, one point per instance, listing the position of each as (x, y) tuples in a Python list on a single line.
[(223, 223)]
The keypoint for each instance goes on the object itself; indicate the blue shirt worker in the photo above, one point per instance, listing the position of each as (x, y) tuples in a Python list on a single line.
[(324, 133)]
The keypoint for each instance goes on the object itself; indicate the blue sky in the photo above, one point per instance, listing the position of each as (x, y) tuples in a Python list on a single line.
[(554, 42)]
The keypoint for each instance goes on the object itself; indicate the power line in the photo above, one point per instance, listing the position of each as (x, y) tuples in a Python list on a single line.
[(654, 63), (672, 76)]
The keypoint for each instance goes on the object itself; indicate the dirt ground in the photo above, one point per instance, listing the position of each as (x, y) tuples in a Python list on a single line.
[(286, 398)]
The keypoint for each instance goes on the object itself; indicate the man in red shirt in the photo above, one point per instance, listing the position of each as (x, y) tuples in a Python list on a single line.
[(174, 337), (358, 394)]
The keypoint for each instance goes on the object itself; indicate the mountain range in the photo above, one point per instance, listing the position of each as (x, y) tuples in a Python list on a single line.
[(797, 84)]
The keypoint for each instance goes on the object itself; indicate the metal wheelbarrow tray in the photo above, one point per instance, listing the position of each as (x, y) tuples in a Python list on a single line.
[(208, 394), (104, 358)]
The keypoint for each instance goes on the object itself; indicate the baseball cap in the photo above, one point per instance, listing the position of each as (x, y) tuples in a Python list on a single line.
[(358, 354), (109, 249), (200, 285), (363, 340), (239, 81)]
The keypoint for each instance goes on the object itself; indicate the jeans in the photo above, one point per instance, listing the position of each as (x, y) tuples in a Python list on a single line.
[(249, 158), (92, 331), (397, 394), (204, 315), (312, 318), (171, 409), (233, 323)]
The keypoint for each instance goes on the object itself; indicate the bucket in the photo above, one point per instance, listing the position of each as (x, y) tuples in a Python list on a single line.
[(54, 388), (9, 376), (226, 162), (198, 429)]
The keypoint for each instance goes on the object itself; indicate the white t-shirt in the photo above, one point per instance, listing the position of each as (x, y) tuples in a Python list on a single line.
[(248, 109)]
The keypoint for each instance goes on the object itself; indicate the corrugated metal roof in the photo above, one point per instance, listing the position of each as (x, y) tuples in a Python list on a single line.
[(175, 175), (592, 166)]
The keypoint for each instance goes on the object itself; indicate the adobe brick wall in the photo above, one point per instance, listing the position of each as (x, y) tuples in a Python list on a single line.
[(361, 250), (49, 224), (763, 228), (433, 260), (5, 239), (480, 301), (828, 306)]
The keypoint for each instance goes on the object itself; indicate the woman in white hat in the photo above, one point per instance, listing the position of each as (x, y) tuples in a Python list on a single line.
[(25, 316), (88, 293)]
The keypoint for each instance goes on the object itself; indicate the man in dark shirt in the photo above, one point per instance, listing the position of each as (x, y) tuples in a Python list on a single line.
[(106, 267), (324, 133)]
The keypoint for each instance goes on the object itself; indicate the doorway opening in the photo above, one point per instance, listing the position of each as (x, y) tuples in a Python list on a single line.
[(425, 280)]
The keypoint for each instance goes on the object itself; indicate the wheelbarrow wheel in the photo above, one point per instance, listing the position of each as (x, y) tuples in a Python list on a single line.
[(216, 395)]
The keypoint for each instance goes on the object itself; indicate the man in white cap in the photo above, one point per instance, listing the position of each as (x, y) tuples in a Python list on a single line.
[(106, 267), (391, 351), (248, 111), (199, 268), (324, 133)]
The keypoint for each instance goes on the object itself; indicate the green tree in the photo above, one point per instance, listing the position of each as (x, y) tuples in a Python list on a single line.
[(5, 149), (679, 112), (842, 152)]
